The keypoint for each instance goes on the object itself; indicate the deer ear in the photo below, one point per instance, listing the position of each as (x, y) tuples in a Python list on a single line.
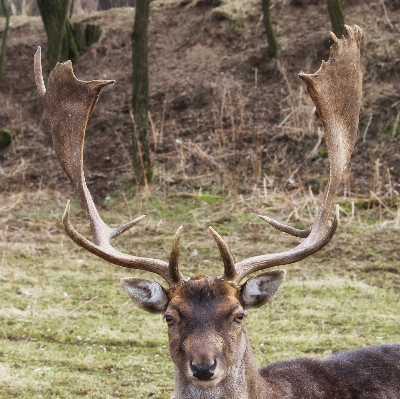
[(146, 294), (259, 290)]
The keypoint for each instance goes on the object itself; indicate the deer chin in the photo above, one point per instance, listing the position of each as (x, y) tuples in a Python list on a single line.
[(206, 384)]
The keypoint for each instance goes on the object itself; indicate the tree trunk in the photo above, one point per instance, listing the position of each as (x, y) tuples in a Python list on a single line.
[(80, 36), (269, 28), (64, 41), (54, 15), (336, 13), (70, 50), (93, 33), (85, 35), (4, 40), (141, 152)]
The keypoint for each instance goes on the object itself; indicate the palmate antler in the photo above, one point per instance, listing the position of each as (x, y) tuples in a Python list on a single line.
[(68, 103), (336, 92)]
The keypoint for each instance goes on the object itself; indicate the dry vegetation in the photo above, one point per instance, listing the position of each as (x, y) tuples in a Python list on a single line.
[(68, 330), (223, 114), (234, 135)]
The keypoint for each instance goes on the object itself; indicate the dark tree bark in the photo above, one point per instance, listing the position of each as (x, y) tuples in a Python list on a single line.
[(70, 50), (92, 34), (85, 35), (269, 28), (4, 40), (140, 97), (80, 36), (64, 41), (336, 13), (54, 16)]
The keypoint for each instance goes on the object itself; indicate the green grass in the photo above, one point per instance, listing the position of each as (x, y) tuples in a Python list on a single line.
[(67, 330)]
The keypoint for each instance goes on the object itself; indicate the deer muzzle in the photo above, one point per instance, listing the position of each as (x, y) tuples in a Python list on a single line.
[(205, 372), (205, 368)]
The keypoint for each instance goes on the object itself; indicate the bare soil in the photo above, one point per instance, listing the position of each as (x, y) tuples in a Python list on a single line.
[(224, 113)]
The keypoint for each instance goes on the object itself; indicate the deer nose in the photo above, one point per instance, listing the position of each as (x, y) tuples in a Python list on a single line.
[(203, 372)]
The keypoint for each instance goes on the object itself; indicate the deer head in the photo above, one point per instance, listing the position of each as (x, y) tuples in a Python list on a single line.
[(207, 337)]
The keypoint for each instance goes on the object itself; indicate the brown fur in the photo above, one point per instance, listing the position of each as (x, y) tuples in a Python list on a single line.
[(204, 329)]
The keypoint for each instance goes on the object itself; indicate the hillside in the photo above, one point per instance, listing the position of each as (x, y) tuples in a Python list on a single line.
[(224, 114)]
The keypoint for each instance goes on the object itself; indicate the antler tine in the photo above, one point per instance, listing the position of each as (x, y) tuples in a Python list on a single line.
[(287, 229), (108, 253), (336, 92), (68, 104), (173, 267), (38, 72), (229, 264)]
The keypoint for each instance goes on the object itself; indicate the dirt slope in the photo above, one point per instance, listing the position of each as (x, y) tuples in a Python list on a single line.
[(224, 114)]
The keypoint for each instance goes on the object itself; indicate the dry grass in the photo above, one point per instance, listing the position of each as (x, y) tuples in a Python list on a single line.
[(229, 132), (67, 330)]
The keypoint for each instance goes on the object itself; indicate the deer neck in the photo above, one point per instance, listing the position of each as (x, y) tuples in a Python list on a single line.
[(243, 381)]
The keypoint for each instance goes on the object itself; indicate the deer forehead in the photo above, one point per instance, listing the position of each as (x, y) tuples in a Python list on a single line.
[(204, 297)]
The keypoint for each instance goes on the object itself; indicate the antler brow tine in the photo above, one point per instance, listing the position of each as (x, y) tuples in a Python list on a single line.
[(68, 104)]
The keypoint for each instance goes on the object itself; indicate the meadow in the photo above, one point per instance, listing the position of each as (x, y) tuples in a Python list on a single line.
[(67, 329)]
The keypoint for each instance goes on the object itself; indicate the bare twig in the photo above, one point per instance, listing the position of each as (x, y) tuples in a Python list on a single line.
[(395, 125), (7, 208), (162, 120), (387, 16), (309, 156), (125, 152), (366, 129), (382, 203), (153, 130)]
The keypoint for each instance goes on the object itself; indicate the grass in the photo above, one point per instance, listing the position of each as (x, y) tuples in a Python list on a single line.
[(67, 330)]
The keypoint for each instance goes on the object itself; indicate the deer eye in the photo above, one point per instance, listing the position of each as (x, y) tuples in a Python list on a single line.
[(239, 317), (169, 319)]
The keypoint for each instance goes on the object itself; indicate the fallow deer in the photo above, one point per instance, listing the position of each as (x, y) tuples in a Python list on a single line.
[(208, 342)]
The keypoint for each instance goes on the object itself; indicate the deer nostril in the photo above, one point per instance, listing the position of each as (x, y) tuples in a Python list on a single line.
[(203, 372)]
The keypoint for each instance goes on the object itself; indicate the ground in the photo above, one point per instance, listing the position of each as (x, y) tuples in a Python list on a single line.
[(232, 136), (224, 114), (68, 330)]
